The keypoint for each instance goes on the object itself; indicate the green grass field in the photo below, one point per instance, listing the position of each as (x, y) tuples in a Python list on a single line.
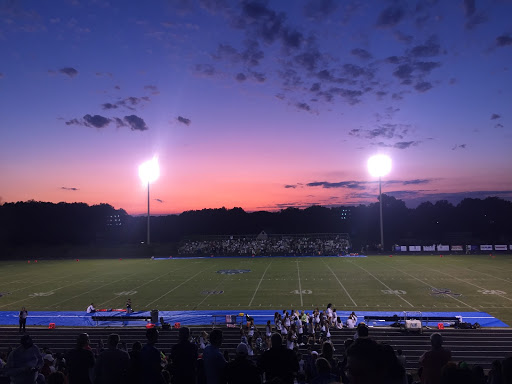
[(377, 283)]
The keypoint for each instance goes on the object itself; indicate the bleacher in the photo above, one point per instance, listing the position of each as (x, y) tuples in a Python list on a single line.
[(478, 346)]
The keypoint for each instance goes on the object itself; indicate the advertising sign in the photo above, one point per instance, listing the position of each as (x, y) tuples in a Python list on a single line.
[(403, 248), (457, 248), (443, 247), (429, 248), (501, 247), (414, 248), (486, 247)]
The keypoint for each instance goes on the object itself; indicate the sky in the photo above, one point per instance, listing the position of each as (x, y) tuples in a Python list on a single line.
[(262, 105)]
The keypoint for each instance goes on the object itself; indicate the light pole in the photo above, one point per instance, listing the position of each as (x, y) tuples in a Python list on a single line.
[(148, 173), (378, 166)]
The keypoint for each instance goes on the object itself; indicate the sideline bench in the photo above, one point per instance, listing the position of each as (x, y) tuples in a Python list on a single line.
[(399, 320), (121, 318)]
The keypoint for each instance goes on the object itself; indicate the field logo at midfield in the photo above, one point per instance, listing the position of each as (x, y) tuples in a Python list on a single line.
[(444, 291), (40, 294), (233, 271), (393, 292), (4, 293), (125, 293), (304, 292), (491, 292), (212, 292)]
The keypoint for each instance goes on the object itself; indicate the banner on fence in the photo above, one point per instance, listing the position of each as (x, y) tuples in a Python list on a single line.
[(486, 247), (443, 247), (398, 248), (414, 248), (457, 248), (403, 248), (501, 247), (429, 248)]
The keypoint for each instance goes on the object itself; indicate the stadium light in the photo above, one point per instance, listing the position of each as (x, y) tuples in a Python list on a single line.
[(148, 173), (378, 166)]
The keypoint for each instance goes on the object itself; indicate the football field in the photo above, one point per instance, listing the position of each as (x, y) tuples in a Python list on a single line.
[(375, 283)]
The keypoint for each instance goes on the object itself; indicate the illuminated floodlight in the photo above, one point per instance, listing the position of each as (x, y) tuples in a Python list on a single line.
[(149, 171), (379, 165)]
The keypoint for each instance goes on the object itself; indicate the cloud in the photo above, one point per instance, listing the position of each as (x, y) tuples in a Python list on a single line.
[(423, 86), (406, 144), (73, 122), (459, 146), (477, 19), (152, 88), (309, 59), (387, 131), (495, 116), (416, 181), (108, 106), (136, 123), (183, 120), (290, 186), (131, 102), (426, 66), (205, 69), (361, 185), (469, 7), (69, 188), (1, 75), (240, 77), (503, 40), (303, 106), (320, 9), (159, 200), (390, 16), (258, 76), (499, 125), (430, 48), (96, 121), (361, 53), (68, 71)]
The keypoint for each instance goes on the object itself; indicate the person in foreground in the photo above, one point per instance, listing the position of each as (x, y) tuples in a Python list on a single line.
[(279, 363)]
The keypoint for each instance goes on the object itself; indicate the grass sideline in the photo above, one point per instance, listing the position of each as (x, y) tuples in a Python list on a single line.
[(375, 283)]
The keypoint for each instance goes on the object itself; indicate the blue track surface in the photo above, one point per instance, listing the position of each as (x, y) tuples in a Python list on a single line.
[(82, 319)]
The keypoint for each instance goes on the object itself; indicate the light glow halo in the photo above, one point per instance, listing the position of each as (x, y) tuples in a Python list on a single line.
[(149, 171), (379, 165)]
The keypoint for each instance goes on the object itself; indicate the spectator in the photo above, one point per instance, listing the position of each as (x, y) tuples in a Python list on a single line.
[(80, 361), (151, 360), (213, 360), (401, 357), (363, 359), (112, 364), (434, 360), (135, 368), (184, 359), (48, 367), (361, 331), (23, 319), (56, 378), (324, 375), (242, 370), (279, 363), (328, 354), (24, 362)]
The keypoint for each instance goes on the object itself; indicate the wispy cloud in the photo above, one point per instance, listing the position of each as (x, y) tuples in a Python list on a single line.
[(69, 71), (69, 188), (184, 120)]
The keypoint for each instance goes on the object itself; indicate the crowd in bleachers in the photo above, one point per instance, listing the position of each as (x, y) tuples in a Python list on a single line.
[(283, 351), (268, 246)]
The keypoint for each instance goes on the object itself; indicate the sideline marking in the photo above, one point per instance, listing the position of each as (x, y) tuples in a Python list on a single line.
[(431, 286), (382, 283), (176, 287), (258, 287), (300, 288), (342, 286)]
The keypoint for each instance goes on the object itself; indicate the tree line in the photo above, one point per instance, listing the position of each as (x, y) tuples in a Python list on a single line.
[(472, 221)]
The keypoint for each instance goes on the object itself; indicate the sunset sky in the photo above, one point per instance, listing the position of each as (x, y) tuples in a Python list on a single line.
[(254, 104)]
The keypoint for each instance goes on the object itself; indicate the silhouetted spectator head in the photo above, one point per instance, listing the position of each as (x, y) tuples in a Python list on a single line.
[(347, 343), (322, 366), (152, 335), (362, 330), (113, 340), (82, 340), (184, 333), (327, 350), (363, 362), (56, 378), (242, 350), (137, 346), (276, 340), (436, 340), (216, 337), (26, 341)]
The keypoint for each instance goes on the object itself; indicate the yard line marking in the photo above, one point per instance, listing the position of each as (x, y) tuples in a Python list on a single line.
[(431, 286), (137, 287), (90, 290), (487, 274), (342, 286), (467, 282), (176, 287), (368, 272), (258, 287), (300, 288)]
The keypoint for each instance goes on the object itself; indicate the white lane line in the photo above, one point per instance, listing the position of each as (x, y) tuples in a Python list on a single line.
[(431, 286), (258, 287), (467, 282), (91, 290), (300, 287), (342, 286), (176, 287), (146, 283), (371, 274)]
